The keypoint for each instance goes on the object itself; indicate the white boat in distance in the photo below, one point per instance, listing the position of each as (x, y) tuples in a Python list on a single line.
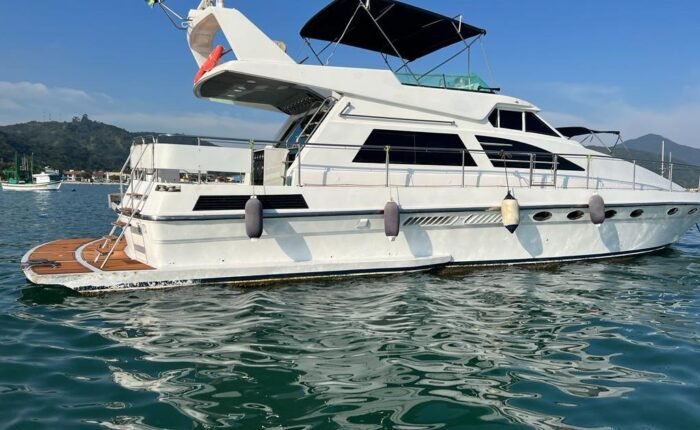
[(375, 171)]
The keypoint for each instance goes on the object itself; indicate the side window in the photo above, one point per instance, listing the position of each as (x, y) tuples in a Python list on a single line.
[(516, 155), (408, 147), (511, 119), (533, 124), (493, 118)]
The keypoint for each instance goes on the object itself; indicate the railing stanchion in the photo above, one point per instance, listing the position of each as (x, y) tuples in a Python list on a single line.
[(199, 159), (634, 175), (251, 143), (555, 159), (532, 167), (588, 171), (387, 148), (463, 156), (670, 176), (299, 166)]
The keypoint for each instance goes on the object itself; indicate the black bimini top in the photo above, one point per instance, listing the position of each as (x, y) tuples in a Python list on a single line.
[(570, 132), (413, 31)]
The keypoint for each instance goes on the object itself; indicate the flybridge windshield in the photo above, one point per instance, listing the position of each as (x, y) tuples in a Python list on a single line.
[(469, 82)]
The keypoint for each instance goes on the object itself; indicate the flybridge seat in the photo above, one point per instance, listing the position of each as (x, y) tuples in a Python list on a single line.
[(453, 82)]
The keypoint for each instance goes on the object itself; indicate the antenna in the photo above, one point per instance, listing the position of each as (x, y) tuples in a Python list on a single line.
[(663, 154)]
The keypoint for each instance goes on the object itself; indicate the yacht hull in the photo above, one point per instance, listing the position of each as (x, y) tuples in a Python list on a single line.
[(188, 252)]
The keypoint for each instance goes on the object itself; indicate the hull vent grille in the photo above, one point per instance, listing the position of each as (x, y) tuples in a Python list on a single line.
[(427, 221), (483, 219)]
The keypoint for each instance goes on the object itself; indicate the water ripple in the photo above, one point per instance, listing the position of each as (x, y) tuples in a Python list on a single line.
[(590, 345)]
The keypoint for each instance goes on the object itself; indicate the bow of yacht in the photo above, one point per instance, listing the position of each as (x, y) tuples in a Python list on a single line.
[(374, 171)]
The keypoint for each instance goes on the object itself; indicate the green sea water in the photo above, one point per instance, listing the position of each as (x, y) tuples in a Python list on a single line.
[(586, 345)]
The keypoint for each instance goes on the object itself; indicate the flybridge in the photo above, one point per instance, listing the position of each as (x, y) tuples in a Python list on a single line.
[(399, 30), (388, 27), (396, 30)]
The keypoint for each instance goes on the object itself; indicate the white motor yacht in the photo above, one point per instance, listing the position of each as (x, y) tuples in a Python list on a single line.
[(374, 171)]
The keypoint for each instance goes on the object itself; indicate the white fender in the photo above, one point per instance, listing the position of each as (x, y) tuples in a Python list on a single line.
[(510, 213)]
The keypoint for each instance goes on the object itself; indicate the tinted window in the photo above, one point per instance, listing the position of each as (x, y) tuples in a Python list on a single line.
[(511, 119), (493, 118), (516, 155), (533, 124), (407, 147)]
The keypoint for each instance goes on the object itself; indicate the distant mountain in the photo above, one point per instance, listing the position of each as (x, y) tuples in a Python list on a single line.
[(652, 143), (78, 144), (646, 150)]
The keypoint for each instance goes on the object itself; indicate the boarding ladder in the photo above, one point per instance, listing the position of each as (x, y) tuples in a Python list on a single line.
[(131, 204), (549, 179), (317, 118)]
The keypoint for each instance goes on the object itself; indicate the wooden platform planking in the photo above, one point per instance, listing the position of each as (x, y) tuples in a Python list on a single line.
[(63, 252), (119, 261)]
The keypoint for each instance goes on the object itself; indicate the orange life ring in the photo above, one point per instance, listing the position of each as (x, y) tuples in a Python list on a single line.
[(209, 63)]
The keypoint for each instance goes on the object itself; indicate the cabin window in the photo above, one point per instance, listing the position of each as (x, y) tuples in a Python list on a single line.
[(510, 119), (514, 120), (534, 124), (493, 118), (516, 155), (409, 147)]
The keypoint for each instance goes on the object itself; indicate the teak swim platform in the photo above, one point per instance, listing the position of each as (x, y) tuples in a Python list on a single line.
[(77, 256)]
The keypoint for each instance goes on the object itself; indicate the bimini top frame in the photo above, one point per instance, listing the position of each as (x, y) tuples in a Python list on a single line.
[(571, 132), (389, 27)]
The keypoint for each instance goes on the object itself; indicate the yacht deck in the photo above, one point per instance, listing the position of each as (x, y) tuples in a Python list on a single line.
[(64, 258)]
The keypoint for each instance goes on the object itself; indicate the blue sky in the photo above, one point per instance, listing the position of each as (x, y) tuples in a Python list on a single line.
[(627, 64)]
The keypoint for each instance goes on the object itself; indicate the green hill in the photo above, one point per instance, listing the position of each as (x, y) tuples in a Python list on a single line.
[(78, 144)]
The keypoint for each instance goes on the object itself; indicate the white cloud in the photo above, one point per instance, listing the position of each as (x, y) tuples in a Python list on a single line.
[(27, 101)]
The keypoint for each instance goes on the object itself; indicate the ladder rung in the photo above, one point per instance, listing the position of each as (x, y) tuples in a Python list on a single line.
[(135, 195), (119, 224), (109, 237), (128, 211)]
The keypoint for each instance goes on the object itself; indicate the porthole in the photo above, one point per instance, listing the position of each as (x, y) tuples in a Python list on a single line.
[(672, 211), (636, 213), (610, 214), (573, 216), (692, 211), (542, 216)]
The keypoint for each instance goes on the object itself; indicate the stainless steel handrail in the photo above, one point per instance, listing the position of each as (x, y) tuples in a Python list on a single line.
[(530, 160)]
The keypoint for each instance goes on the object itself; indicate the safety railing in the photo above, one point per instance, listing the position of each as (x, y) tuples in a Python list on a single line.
[(312, 164)]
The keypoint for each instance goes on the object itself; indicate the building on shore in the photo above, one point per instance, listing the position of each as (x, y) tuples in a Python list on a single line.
[(96, 176)]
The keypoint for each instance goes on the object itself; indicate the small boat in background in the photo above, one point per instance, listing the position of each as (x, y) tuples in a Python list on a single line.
[(21, 178)]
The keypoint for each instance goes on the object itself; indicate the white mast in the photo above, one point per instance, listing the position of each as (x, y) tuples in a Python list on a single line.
[(663, 151)]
